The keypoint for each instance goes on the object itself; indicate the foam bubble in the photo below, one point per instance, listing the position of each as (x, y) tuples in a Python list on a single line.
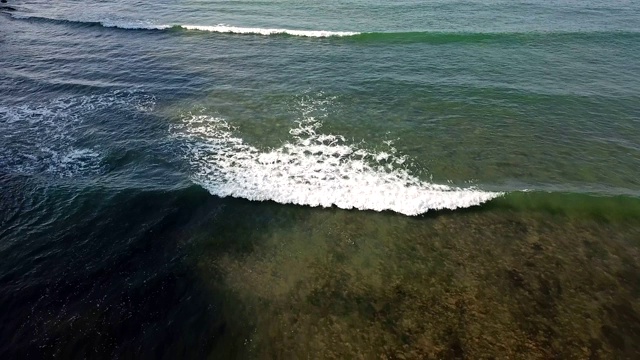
[(312, 169)]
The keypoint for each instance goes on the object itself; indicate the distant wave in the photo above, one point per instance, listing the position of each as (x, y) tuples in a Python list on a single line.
[(266, 31), (443, 37), (226, 29), (431, 37), (220, 28)]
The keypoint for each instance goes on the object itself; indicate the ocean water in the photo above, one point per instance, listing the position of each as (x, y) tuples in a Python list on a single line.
[(336, 179)]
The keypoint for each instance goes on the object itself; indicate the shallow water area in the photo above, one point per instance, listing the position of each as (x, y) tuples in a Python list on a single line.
[(476, 283)]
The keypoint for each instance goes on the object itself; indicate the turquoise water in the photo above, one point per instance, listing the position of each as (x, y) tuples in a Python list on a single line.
[(206, 178)]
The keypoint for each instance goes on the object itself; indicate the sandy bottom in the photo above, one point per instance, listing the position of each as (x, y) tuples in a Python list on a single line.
[(466, 284)]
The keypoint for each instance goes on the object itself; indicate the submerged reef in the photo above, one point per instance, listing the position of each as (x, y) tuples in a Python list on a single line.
[(472, 284)]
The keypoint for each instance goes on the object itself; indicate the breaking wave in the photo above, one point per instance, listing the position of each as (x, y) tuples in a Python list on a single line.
[(313, 169)]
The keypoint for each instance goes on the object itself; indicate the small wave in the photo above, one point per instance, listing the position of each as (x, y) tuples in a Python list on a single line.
[(312, 169), (576, 205)]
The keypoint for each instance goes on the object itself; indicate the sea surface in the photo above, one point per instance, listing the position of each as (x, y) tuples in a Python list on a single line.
[(320, 179)]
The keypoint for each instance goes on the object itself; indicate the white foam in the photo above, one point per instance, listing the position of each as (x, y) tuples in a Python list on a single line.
[(221, 28), (312, 169)]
